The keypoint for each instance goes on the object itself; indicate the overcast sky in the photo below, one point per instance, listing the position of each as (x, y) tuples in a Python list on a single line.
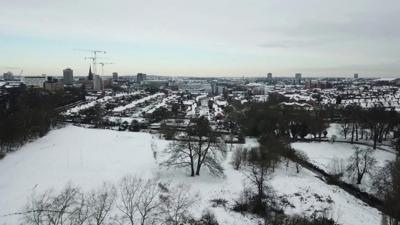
[(204, 37)]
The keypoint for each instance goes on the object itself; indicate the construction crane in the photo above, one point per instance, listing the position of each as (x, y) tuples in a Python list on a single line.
[(94, 58), (102, 66), (94, 62)]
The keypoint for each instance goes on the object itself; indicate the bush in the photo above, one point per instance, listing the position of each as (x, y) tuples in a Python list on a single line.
[(219, 202), (238, 157), (337, 167), (208, 218)]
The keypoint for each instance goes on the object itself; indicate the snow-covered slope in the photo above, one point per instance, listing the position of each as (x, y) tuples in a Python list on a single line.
[(322, 154), (308, 193), (88, 157)]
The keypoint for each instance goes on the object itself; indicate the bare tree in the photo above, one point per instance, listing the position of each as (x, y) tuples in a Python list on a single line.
[(238, 157), (181, 155), (337, 167), (35, 209), (360, 163), (345, 128), (101, 203), (129, 189), (201, 147), (148, 203), (176, 202), (392, 193), (141, 201), (382, 180), (52, 209), (151, 202), (260, 167), (80, 211)]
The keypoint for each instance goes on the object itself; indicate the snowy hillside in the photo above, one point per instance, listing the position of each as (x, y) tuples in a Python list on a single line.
[(88, 157)]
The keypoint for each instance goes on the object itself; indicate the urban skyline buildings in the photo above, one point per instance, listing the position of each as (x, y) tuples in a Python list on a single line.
[(68, 76)]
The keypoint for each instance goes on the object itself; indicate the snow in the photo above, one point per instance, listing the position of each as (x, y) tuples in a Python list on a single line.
[(163, 103), (134, 103), (78, 108), (88, 157), (334, 129), (322, 154), (92, 103), (301, 189)]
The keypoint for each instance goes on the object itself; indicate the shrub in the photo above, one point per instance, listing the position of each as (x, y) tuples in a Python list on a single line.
[(219, 202), (208, 218), (238, 157), (2, 155)]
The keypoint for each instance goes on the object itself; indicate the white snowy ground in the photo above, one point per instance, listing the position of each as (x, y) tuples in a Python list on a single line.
[(88, 157), (90, 104), (324, 154), (336, 129), (308, 193), (135, 102)]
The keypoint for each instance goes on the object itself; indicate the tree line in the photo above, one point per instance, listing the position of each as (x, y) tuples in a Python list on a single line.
[(376, 124), (132, 201), (271, 122), (28, 113)]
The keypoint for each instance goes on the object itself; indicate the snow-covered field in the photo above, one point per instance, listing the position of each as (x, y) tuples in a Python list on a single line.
[(325, 155), (135, 102), (104, 99), (322, 154), (308, 193), (88, 157)]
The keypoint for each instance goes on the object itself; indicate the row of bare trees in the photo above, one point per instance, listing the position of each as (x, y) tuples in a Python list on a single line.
[(133, 201), (29, 113), (376, 123)]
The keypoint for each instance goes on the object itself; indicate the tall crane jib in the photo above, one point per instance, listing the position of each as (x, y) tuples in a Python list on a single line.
[(94, 57), (102, 66)]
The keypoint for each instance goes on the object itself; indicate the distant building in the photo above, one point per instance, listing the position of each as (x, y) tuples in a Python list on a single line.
[(397, 81), (53, 84), (8, 76), (311, 84), (269, 76), (297, 78), (107, 83), (115, 76), (156, 83), (217, 88), (214, 88), (85, 83), (97, 83), (256, 88), (68, 76), (356, 76), (90, 75), (140, 77), (34, 81)]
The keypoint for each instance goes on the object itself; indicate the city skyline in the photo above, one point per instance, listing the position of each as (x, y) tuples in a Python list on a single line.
[(207, 38)]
